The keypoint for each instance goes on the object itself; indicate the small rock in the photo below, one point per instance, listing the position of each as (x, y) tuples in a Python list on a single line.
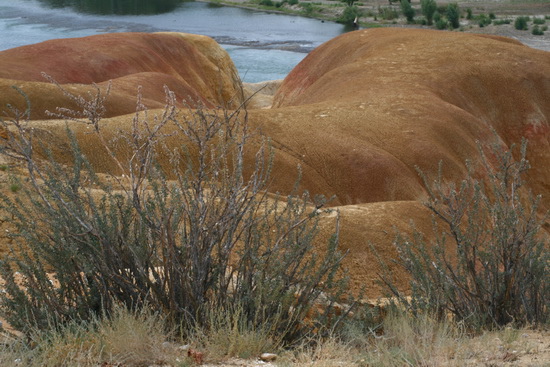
[(184, 348), (268, 357)]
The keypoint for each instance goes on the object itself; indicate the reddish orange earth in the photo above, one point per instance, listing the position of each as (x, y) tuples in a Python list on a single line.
[(195, 67)]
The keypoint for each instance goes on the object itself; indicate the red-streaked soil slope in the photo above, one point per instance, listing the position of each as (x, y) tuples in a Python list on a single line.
[(195, 67), (364, 109)]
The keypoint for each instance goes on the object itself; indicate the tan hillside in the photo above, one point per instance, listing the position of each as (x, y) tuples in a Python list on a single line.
[(373, 104), (363, 110), (195, 67)]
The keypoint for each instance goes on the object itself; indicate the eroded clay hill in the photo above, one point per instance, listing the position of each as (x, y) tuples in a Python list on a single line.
[(367, 107), (195, 67), (358, 114), (364, 109)]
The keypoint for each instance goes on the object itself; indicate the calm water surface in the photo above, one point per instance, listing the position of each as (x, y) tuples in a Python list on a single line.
[(263, 46)]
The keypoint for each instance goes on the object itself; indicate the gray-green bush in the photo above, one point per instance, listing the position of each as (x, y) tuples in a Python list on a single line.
[(441, 23), (502, 21), (193, 236), (521, 23), (429, 7), (408, 10), (453, 15), (488, 264), (349, 15), (537, 31), (387, 13), (483, 20), (350, 3)]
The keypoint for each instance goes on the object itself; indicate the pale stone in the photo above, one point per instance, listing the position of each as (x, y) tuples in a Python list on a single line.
[(268, 357)]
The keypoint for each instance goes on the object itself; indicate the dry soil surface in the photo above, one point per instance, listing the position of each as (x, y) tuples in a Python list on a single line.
[(525, 348)]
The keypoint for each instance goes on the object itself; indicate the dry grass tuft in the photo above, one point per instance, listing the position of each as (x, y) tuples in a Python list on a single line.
[(140, 339), (135, 338), (126, 338), (231, 335), (326, 353), (423, 341), (419, 341)]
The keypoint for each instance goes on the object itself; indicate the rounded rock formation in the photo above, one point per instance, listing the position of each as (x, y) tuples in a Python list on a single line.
[(364, 109), (194, 67)]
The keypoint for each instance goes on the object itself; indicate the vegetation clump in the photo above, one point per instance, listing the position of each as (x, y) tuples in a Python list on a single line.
[(387, 13), (184, 232), (408, 11), (502, 21), (350, 15), (453, 15), (483, 20), (488, 264), (429, 7), (521, 23), (440, 22), (538, 31)]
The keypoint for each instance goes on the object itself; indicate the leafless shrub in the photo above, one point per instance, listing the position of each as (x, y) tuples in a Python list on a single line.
[(195, 235), (488, 265)]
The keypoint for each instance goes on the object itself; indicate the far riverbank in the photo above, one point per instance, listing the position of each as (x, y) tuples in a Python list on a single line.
[(382, 13)]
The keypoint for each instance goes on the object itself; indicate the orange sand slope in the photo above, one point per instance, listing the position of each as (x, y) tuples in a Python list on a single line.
[(364, 109), (195, 67)]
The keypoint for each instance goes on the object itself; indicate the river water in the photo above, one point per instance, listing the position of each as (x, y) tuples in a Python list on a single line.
[(264, 46)]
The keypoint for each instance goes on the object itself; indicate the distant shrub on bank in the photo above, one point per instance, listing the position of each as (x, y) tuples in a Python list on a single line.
[(521, 23), (502, 21), (387, 13), (441, 24), (453, 15), (537, 31), (408, 10), (483, 20), (349, 15), (429, 7)]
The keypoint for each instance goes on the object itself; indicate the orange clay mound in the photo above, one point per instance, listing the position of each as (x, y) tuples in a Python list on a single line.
[(358, 114), (195, 67), (362, 110)]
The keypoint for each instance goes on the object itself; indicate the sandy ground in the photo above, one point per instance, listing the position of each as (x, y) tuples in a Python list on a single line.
[(525, 37), (511, 348)]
